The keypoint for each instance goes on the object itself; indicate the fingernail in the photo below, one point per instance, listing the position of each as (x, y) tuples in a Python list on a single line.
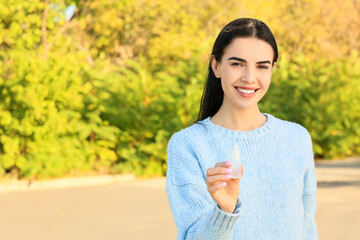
[(228, 163), (228, 170), (223, 184), (228, 176)]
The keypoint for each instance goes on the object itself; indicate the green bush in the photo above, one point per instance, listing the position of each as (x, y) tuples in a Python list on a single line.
[(322, 96), (148, 106), (49, 122)]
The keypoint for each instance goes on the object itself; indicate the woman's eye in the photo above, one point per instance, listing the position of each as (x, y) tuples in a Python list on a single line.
[(237, 64), (263, 67)]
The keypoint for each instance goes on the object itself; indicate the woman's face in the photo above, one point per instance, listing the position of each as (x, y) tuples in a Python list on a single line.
[(246, 65)]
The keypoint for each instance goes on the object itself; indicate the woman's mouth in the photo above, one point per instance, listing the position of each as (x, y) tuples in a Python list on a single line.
[(247, 93)]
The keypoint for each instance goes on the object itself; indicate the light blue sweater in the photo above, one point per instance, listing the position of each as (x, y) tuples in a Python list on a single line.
[(277, 191)]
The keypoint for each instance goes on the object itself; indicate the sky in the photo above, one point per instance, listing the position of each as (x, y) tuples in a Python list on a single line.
[(69, 12)]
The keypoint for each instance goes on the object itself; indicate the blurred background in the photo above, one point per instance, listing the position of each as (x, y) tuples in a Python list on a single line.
[(98, 87)]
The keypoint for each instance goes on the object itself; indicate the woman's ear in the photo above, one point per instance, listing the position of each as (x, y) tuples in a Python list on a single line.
[(215, 66)]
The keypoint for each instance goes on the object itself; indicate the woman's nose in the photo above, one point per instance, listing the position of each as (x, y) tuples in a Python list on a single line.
[(248, 76)]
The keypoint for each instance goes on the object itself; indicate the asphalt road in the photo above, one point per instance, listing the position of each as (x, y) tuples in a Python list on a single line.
[(134, 210)]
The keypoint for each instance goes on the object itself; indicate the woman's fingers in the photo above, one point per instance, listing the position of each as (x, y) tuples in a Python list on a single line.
[(219, 174), (218, 170), (216, 187), (216, 178), (223, 164)]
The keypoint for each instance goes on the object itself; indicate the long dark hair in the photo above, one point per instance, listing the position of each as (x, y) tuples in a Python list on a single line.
[(213, 94)]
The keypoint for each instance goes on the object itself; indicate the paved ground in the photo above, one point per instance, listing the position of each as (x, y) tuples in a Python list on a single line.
[(338, 214), (139, 209)]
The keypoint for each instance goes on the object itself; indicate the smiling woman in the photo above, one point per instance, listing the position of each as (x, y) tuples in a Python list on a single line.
[(277, 199)]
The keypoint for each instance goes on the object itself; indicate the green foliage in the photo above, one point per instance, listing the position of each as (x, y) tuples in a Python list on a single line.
[(324, 97), (50, 122), (148, 106)]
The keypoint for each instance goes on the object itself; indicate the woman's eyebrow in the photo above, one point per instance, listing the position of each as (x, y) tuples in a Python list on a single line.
[(243, 60)]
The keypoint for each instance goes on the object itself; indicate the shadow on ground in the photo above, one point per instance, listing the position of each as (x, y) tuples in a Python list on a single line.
[(337, 164), (324, 184)]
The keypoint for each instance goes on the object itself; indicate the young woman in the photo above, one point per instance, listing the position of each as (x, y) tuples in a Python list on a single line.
[(277, 196)]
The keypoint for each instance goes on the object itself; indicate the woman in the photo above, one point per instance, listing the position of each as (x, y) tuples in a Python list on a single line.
[(277, 196)]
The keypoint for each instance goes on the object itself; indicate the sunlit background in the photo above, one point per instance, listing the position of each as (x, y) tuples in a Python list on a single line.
[(98, 87)]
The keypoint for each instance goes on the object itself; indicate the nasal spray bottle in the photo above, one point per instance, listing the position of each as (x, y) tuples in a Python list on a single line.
[(236, 165)]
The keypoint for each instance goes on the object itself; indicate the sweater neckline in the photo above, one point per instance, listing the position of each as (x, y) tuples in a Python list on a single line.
[(255, 133)]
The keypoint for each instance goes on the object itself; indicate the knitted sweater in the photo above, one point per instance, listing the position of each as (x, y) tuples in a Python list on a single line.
[(277, 191)]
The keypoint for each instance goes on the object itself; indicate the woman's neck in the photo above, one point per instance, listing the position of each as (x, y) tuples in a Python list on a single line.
[(239, 119)]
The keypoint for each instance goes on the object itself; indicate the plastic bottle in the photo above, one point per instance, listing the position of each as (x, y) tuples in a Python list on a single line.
[(236, 165)]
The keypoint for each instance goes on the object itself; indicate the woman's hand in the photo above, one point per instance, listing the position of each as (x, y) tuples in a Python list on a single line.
[(222, 188)]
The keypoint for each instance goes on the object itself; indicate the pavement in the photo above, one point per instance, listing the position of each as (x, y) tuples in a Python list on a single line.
[(122, 207)]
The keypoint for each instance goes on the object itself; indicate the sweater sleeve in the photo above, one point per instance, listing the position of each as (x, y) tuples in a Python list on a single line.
[(196, 214), (309, 198)]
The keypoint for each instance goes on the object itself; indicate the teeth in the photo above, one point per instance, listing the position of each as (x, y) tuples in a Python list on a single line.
[(245, 91)]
